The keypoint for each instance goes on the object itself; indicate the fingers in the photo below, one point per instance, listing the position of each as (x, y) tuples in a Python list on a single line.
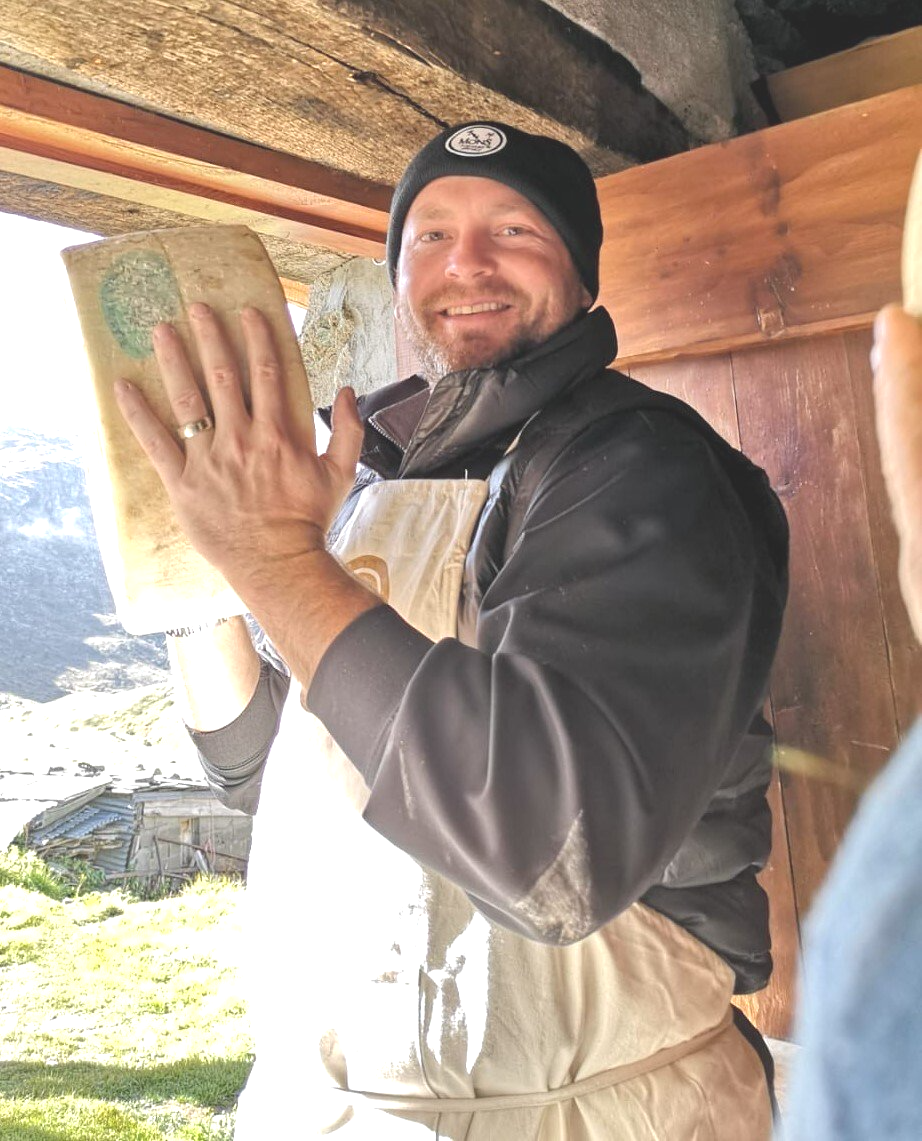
[(179, 383), (267, 390), (220, 368), (345, 443), (157, 441)]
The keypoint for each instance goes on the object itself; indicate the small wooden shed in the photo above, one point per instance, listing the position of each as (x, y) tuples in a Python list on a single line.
[(181, 831), (147, 829)]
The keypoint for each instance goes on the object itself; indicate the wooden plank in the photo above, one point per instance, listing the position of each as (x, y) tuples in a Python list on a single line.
[(707, 385), (193, 205), (704, 383), (58, 134), (296, 292), (188, 810), (269, 222), (100, 215), (905, 653), (788, 232), (831, 692), (872, 68)]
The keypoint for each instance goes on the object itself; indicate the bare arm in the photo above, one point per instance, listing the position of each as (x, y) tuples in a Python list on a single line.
[(214, 673)]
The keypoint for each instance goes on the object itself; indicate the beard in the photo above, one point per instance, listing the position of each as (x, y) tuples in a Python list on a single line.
[(437, 354)]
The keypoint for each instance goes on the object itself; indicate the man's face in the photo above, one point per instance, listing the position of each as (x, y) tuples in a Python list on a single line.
[(483, 276)]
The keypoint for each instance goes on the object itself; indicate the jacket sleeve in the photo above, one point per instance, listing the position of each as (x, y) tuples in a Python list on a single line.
[(234, 756), (554, 769)]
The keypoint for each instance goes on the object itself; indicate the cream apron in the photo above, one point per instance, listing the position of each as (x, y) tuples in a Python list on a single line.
[(385, 1006)]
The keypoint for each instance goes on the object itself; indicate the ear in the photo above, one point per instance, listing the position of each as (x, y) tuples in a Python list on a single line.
[(585, 299)]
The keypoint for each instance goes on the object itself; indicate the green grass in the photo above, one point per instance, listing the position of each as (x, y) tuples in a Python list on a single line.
[(119, 1018), (25, 869)]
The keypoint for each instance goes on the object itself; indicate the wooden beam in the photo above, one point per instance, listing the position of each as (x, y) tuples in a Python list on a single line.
[(296, 292), (61, 135), (304, 77), (788, 232), (869, 69), (100, 215), (496, 43)]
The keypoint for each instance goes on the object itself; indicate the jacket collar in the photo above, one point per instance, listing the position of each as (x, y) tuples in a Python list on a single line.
[(480, 411)]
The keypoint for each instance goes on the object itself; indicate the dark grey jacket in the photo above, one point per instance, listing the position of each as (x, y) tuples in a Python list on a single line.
[(596, 726)]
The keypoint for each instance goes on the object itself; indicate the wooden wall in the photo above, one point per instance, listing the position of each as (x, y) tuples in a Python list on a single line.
[(171, 827), (848, 673), (744, 278)]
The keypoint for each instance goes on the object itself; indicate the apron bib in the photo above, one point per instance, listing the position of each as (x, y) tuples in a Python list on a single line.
[(385, 1006)]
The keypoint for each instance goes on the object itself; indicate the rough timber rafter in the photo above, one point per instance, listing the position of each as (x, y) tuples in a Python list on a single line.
[(515, 47), (308, 78)]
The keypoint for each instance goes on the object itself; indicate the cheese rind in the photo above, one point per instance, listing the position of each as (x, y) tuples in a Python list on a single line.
[(123, 287)]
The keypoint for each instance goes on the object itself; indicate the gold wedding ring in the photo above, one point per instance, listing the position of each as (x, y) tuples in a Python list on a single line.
[(187, 431)]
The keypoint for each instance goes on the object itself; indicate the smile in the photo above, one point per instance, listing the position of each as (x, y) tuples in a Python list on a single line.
[(480, 307)]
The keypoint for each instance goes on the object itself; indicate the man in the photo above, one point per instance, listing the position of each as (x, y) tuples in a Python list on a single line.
[(527, 804), (858, 1075)]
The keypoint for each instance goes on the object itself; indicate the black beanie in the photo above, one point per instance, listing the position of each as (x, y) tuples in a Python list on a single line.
[(546, 172)]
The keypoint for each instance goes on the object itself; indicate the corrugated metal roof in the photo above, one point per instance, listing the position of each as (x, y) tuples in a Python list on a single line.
[(121, 802), (30, 798), (113, 861), (77, 824)]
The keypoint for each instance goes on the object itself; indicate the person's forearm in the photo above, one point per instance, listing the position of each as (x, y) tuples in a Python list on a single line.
[(303, 602), (215, 673)]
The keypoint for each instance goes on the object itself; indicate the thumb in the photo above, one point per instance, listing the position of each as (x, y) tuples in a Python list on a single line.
[(345, 444)]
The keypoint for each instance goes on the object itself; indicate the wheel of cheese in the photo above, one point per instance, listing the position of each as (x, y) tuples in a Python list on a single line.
[(123, 287)]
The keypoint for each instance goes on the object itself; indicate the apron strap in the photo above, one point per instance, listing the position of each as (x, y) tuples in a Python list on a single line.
[(757, 1042), (582, 1088)]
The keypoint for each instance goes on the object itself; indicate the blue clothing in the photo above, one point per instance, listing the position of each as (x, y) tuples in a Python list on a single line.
[(859, 1074)]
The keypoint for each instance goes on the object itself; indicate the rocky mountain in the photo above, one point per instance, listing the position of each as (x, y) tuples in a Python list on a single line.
[(58, 630)]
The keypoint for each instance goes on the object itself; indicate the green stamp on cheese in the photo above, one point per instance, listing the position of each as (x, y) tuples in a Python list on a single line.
[(137, 292)]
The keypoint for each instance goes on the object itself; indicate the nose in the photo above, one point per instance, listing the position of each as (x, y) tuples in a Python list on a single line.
[(471, 255)]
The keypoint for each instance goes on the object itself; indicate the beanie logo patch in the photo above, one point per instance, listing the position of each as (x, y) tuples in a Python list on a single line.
[(475, 141)]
